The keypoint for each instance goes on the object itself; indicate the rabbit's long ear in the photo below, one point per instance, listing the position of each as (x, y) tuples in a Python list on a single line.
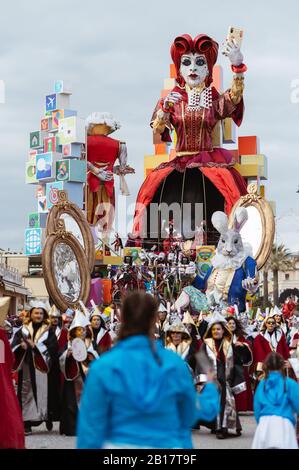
[(240, 218), (220, 221)]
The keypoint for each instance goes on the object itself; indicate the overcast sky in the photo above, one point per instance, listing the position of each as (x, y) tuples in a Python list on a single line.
[(116, 55)]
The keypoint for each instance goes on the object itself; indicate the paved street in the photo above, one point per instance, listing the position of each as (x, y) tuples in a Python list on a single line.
[(203, 439)]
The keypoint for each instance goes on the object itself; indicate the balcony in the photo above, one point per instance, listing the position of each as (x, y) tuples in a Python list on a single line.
[(10, 274)]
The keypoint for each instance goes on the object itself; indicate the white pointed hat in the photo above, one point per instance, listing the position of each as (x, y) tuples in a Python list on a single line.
[(95, 311), (177, 327), (54, 312), (39, 304), (216, 317), (79, 320), (162, 308), (275, 311), (187, 320)]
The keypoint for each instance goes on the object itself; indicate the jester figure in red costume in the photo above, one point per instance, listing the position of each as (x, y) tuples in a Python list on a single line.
[(193, 109), (102, 153)]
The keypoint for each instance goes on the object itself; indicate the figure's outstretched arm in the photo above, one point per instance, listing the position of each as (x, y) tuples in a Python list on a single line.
[(230, 103), (159, 124), (161, 119), (234, 54)]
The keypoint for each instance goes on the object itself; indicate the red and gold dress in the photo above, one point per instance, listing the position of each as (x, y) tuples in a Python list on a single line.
[(194, 148)]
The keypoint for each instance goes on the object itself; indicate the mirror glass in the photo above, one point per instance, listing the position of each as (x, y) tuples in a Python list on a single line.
[(67, 272), (72, 226), (252, 232)]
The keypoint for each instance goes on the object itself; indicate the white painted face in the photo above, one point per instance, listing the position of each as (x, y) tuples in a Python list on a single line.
[(194, 69)]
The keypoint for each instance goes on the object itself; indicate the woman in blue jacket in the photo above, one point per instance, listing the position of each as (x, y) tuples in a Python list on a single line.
[(140, 395), (276, 403)]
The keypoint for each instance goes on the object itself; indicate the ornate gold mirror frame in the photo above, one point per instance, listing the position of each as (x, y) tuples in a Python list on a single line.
[(74, 272), (65, 207), (253, 199)]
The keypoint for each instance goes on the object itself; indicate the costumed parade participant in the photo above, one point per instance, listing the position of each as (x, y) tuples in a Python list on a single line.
[(244, 400), (193, 108), (279, 319), (54, 376), (35, 348), (178, 340), (138, 387), (270, 339), (233, 271), (11, 428), (74, 363), (102, 341), (203, 323), (102, 153), (289, 307), (161, 322), (192, 326), (228, 360), (276, 403), (294, 337), (56, 324)]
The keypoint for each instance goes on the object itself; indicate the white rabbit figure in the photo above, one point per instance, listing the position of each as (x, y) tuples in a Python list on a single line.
[(233, 270)]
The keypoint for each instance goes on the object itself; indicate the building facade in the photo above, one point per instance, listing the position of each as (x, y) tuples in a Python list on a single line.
[(21, 278)]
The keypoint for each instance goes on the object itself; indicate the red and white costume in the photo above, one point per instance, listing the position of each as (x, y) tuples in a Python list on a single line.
[(244, 400), (265, 343)]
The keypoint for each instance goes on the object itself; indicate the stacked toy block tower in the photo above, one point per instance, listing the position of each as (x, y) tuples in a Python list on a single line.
[(56, 162), (250, 163)]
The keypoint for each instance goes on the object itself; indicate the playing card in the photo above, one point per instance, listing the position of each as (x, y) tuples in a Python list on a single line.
[(236, 35)]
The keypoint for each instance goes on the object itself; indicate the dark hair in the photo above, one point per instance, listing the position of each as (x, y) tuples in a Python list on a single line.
[(88, 332), (226, 332), (72, 333), (239, 328), (281, 316), (137, 315), (102, 321), (273, 362)]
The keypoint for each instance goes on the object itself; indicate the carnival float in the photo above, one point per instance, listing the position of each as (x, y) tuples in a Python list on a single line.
[(202, 226), (201, 232)]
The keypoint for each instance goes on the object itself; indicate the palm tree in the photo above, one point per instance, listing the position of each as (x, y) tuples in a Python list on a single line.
[(265, 287), (280, 259)]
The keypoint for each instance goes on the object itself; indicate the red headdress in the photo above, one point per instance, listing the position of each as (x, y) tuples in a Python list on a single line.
[(202, 44)]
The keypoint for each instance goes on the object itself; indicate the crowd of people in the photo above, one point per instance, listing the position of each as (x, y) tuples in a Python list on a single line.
[(118, 364)]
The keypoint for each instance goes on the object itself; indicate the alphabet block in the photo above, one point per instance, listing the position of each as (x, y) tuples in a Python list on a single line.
[(62, 86), (71, 130), (74, 191), (34, 240), (71, 170), (56, 101)]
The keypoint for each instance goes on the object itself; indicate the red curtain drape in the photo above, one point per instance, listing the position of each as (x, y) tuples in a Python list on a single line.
[(229, 183), (146, 194)]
